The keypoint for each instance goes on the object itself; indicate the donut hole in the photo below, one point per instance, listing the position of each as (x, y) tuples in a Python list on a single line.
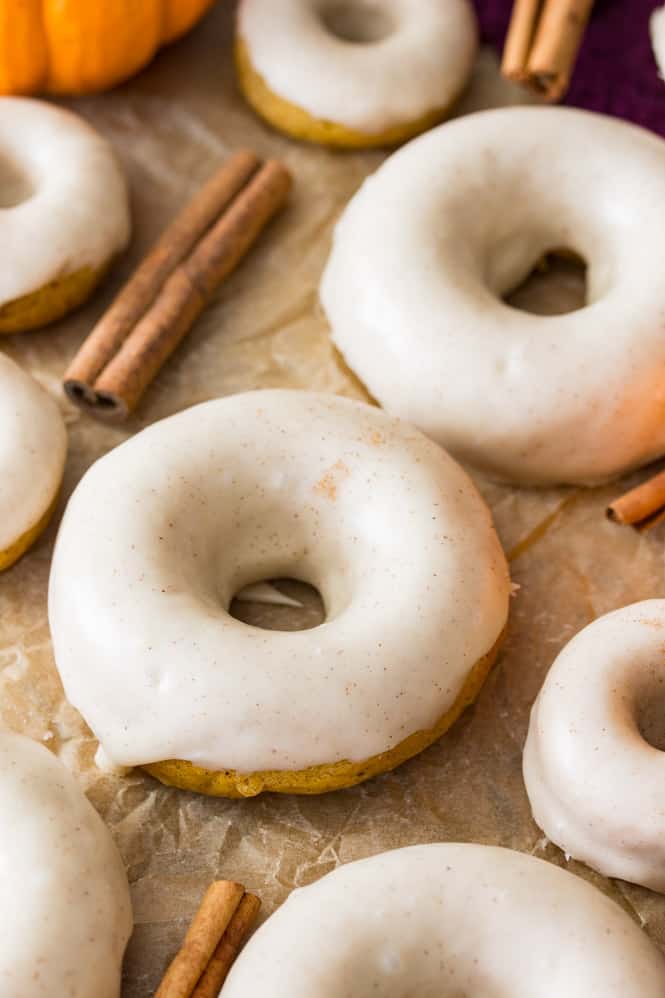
[(650, 714), (15, 186), (357, 23), (273, 616), (556, 285)]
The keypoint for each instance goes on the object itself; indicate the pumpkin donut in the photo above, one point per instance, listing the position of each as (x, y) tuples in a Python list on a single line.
[(163, 531), (65, 908), (354, 73), (448, 920), (595, 783), (426, 250), (64, 212), (33, 447)]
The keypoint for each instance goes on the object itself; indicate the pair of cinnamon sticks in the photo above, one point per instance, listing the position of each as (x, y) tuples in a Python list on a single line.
[(543, 40), (212, 942), (174, 283)]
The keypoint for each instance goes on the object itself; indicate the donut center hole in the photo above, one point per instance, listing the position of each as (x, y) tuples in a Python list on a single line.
[(357, 22), (15, 186), (651, 714), (279, 605), (556, 285)]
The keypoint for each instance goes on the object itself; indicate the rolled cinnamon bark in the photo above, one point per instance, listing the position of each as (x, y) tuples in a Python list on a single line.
[(543, 40), (173, 285), (228, 948), (210, 922), (171, 248), (556, 44), (641, 503), (523, 23)]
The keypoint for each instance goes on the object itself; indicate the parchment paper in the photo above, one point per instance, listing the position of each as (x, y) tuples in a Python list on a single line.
[(170, 127)]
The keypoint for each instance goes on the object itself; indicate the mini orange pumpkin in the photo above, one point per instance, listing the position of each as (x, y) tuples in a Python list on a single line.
[(79, 46)]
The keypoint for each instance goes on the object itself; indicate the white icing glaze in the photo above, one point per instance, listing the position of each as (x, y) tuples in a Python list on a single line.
[(33, 447), (425, 250), (103, 762), (64, 898), (162, 532), (63, 200), (657, 28), (420, 65), (265, 592), (445, 921), (596, 786)]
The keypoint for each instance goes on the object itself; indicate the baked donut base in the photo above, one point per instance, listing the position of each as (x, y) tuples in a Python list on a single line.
[(51, 302), (324, 778), (299, 124), (19, 547)]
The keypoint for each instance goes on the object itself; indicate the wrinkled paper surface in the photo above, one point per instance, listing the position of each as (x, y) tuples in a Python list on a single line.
[(171, 126)]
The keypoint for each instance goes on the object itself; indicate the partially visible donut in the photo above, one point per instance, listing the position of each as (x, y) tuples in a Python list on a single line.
[(354, 72), (163, 531), (448, 921), (657, 28), (425, 251), (33, 447), (596, 785), (64, 212), (65, 910)]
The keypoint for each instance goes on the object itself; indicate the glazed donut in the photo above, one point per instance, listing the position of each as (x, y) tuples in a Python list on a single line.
[(426, 249), (657, 28), (33, 447), (66, 910), (596, 785), (65, 212), (163, 531), (354, 72), (448, 920)]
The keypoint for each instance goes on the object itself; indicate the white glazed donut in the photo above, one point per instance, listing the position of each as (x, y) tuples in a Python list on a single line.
[(369, 66), (33, 446), (425, 250), (657, 28), (596, 786), (63, 201), (64, 898), (163, 531), (447, 921)]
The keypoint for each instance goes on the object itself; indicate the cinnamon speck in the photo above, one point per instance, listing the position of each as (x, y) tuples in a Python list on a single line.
[(327, 485)]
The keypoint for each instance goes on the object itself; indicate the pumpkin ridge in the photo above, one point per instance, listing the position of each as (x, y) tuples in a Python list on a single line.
[(81, 46), (41, 21), (22, 57)]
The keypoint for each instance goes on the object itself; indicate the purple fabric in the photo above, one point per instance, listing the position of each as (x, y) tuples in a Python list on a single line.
[(616, 71)]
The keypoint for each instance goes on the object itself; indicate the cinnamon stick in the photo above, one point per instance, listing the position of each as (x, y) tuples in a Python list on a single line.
[(211, 921), (543, 40), (521, 32), (228, 948), (639, 504), (175, 282)]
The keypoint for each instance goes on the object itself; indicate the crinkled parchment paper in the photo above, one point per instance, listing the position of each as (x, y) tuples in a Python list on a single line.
[(171, 126)]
